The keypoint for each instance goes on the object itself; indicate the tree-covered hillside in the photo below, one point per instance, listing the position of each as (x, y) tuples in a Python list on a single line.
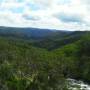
[(59, 40), (24, 67), (77, 58), (27, 66), (42, 38)]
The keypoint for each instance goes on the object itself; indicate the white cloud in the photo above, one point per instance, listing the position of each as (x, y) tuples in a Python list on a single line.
[(43, 14)]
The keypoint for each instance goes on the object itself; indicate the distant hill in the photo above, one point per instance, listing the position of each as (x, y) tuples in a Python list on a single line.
[(30, 33), (42, 38), (58, 41)]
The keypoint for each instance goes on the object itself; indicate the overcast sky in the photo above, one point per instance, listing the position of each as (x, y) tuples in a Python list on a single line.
[(55, 14)]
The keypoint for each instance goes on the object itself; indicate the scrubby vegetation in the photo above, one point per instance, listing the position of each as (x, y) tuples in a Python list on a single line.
[(26, 67)]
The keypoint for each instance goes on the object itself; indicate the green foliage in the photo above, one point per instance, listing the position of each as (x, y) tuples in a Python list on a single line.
[(25, 67)]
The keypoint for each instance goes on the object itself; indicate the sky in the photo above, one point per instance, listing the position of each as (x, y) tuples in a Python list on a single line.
[(51, 14)]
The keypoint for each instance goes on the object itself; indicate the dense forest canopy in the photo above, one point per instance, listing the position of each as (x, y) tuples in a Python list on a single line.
[(43, 64)]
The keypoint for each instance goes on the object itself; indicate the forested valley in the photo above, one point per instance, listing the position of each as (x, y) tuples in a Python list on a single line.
[(44, 64)]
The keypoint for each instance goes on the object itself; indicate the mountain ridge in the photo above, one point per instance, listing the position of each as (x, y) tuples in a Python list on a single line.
[(42, 38)]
